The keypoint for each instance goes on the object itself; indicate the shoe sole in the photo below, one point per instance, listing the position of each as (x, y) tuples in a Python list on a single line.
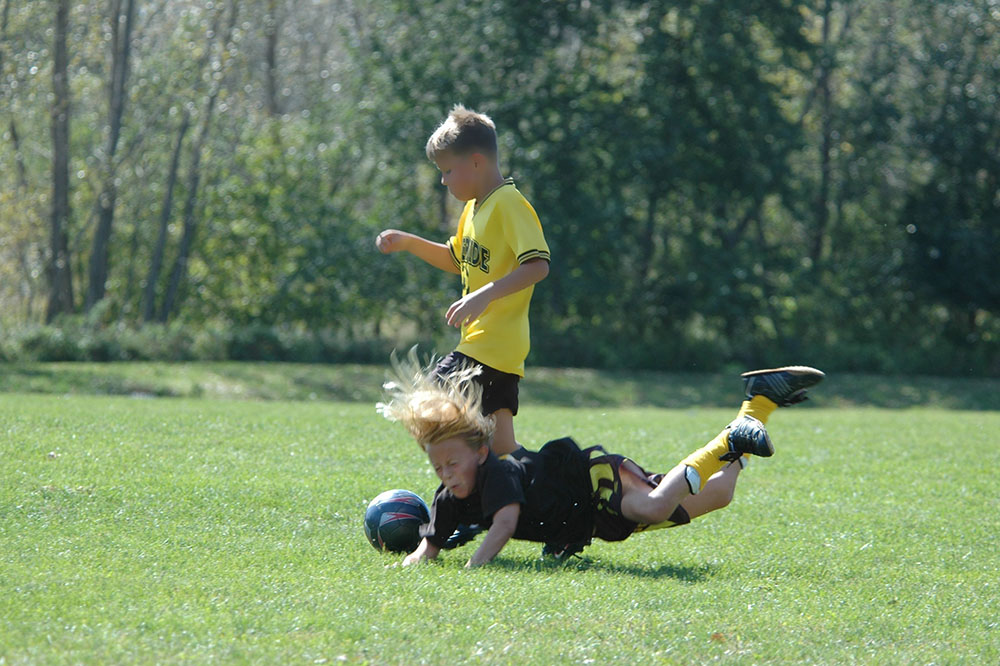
[(798, 370), (806, 376)]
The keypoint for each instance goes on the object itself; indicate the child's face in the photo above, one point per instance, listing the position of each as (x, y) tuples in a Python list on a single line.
[(455, 463), (459, 173)]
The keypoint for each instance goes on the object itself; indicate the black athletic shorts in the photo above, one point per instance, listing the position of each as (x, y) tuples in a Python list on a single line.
[(499, 388), (606, 470)]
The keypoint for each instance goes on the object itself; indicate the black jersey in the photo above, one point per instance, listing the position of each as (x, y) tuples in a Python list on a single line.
[(552, 486)]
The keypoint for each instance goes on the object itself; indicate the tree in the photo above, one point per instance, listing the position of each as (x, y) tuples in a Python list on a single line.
[(166, 210), (60, 277), (122, 16), (178, 275), (952, 218)]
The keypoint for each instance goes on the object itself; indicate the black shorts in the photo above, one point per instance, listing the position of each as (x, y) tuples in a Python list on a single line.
[(606, 470), (499, 388)]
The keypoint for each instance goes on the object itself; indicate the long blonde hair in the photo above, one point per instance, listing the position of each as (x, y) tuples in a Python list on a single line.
[(434, 408)]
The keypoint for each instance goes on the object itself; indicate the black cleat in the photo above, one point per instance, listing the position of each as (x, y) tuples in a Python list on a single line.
[(748, 435), (783, 386)]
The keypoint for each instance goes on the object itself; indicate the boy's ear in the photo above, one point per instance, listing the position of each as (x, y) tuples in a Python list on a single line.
[(483, 452), (479, 160)]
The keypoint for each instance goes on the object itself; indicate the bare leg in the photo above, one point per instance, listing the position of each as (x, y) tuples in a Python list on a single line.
[(716, 494), (647, 506), (503, 435)]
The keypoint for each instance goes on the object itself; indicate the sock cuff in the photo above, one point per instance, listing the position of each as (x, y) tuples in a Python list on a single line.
[(706, 461), (693, 479)]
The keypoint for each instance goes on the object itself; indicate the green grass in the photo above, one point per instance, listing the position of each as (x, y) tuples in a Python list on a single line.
[(191, 530), (543, 386)]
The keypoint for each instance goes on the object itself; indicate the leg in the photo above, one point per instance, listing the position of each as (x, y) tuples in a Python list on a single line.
[(702, 471), (503, 436), (717, 493), (766, 390), (649, 506)]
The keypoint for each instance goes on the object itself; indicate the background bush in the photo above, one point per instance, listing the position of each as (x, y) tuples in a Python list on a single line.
[(719, 183)]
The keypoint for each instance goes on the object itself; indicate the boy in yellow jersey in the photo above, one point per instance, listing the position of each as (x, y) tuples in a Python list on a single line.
[(500, 252)]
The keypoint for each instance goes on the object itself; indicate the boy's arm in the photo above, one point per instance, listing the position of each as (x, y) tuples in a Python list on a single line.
[(500, 532), (472, 305), (425, 551), (437, 255)]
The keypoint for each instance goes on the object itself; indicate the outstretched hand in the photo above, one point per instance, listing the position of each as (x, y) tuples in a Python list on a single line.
[(391, 240)]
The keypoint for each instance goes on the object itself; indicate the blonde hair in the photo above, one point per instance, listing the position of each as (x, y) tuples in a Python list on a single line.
[(435, 408), (463, 132)]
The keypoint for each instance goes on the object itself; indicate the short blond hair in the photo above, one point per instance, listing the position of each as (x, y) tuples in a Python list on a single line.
[(435, 408), (463, 132)]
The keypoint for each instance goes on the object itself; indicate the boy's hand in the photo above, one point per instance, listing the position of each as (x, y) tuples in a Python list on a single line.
[(391, 240), (468, 308), (437, 255), (503, 528), (425, 551), (412, 558)]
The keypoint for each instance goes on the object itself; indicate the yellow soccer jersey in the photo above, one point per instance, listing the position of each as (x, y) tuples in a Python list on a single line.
[(491, 242)]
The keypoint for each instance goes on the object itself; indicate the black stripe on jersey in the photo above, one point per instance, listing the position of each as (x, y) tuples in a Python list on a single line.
[(533, 254)]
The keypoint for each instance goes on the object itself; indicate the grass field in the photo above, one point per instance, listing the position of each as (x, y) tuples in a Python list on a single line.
[(143, 530)]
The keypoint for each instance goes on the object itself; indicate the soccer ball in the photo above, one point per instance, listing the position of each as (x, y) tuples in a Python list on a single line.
[(393, 520)]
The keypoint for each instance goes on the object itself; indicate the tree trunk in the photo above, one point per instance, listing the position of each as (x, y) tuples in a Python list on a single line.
[(121, 38), (156, 265), (824, 90), (15, 137), (60, 276), (179, 273), (271, 28)]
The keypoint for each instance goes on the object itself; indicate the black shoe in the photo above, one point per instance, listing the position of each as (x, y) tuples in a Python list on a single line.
[(563, 552), (783, 386), (462, 535), (748, 435)]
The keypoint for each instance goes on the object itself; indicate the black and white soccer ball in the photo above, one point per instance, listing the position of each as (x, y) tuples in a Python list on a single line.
[(393, 520)]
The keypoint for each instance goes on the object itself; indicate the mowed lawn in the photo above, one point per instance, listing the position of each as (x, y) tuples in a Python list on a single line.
[(167, 530)]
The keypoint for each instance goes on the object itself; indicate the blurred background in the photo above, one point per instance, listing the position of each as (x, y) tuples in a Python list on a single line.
[(721, 184)]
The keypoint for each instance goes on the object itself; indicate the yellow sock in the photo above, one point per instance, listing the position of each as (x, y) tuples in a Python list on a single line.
[(758, 407), (705, 462)]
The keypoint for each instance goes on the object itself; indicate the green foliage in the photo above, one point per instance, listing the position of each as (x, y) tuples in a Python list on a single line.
[(77, 339), (230, 531), (720, 183)]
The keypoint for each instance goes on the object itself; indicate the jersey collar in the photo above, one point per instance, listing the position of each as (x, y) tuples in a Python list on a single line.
[(479, 204)]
